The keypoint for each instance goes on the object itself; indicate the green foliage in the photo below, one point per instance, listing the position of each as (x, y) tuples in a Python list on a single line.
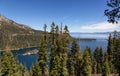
[(106, 67), (9, 65), (18, 36), (55, 66), (113, 12), (36, 70), (43, 55), (94, 66), (110, 52), (86, 63), (64, 60), (24, 70), (113, 51), (74, 60), (59, 47), (66, 29), (70, 65), (52, 34), (98, 56), (116, 52)]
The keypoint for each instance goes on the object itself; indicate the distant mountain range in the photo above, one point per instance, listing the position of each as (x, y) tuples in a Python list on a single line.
[(17, 35), (90, 33)]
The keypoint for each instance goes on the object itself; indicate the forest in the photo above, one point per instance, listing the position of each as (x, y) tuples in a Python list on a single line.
[(59, 53), (66, 57)]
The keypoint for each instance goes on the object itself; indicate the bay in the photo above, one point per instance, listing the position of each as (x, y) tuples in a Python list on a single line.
[(101, 41)]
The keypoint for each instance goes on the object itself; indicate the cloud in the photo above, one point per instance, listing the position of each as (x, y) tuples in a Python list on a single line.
[(100, 27)]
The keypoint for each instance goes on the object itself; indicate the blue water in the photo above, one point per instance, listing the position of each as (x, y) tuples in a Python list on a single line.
[(93, 44), (90, 35), (101, 41), (28, 60)]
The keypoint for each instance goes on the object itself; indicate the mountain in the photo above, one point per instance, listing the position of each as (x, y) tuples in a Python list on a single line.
[(90, 33), (17, 35)]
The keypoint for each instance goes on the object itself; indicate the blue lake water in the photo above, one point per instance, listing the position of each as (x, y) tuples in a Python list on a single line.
[(90, 35), (101, 41), (93, 44), (29, 60)]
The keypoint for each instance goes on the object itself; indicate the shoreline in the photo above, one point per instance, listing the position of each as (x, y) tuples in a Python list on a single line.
[(17, 49)]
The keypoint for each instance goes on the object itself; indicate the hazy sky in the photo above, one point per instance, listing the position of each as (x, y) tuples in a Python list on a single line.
[(79, 15)]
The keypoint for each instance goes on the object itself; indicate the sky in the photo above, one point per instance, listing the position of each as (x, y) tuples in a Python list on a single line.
[(78, 15)]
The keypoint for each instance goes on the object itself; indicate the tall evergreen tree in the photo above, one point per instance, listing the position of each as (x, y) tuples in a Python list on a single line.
[(98, 55), (9, 65), (52, 33), (43, 55), (71, 59), (70, 65), (116, 52), (86, 62), (55, 66), (54, 60), (45, 31), (36, 70), (110, 51), (66, 29), (78, 65), (106, 67), (57, 30), (74, 60), (94, 66), (64, 50), (59, 54), (24, 70)]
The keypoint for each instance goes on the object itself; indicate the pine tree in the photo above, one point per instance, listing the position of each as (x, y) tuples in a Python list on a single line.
[(98, 55), (94, 66), (116, 52), (66, 29), (45, 31), (71, 59), (55, 61), (52, 33), (106, 67), (9, 64), (59, 48), (36, 70), (70, 65), (78, 65), (24, 70), (86, 63), (55, 56), (57, 30), (64, 50), (43, 55), (113, 51), (110, 51), (55, 68), (74, 60)]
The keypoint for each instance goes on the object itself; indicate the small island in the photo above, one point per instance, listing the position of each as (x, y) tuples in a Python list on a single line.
[(86, 39), (35, 51)]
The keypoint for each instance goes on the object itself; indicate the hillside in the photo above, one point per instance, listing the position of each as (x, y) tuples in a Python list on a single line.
[(17, 35)]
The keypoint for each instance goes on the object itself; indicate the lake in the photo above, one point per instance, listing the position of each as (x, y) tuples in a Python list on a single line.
[(101, 41)]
